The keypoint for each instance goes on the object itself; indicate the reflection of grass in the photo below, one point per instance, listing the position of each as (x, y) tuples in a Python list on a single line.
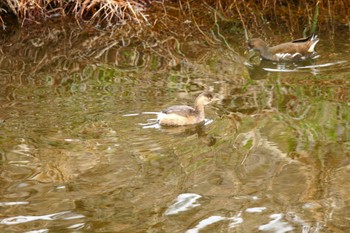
[(321, 134), (294, 116), (313, 119)]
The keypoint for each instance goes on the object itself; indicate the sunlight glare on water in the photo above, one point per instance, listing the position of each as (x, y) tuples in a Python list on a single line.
[(66, 215)]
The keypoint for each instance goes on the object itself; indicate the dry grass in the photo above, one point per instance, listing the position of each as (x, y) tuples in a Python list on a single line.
[(95, 11), (252, 14), (296, 15)]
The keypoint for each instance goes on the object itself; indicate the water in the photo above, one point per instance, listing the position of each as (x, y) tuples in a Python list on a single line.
[(76, 155)]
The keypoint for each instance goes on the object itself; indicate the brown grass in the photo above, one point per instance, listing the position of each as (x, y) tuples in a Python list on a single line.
[(296, 15), (299, 15), (94, 11), (252, 15)]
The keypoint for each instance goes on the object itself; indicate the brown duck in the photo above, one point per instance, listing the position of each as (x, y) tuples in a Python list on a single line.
[(180, 115), (296, 50)]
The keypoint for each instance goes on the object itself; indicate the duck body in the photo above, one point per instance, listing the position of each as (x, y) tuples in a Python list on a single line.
[(297, 50), (180, 115)]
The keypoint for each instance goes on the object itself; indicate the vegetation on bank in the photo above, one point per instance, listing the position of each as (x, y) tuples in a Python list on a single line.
[(94, 11), (251, 14)]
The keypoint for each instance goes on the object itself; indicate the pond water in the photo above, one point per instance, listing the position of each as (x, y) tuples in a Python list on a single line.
[(77, 153)]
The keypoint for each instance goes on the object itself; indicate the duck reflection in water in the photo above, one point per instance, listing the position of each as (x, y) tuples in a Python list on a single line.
[(188, 130), (261, 70)]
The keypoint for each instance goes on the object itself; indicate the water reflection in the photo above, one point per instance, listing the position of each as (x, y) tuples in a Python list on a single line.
[(13, 203), (75, 155), (66, 215), (276, 225), (184, 202), (255, 209), (264, 68), (204, 223)]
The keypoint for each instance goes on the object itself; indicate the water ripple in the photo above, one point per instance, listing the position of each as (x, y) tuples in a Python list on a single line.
[(184, 202), (255, 209), (276, 225), (65, 215), (234, 221), (206, 222), (14, 203)]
